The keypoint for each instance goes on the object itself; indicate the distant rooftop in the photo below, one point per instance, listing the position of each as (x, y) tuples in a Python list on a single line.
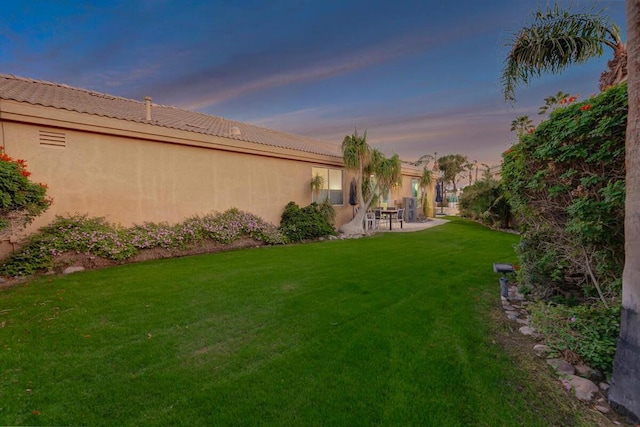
[(65, 97)]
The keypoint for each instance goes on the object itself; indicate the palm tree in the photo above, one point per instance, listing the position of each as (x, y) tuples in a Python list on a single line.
[(469, 166), (425, 181), (574, 39), (625, 383), (521, 125), (365, 161), (424, 160), (557, 39), (317, 183), (553, 101)]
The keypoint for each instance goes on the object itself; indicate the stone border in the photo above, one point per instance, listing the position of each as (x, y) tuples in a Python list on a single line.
[(580, 380)]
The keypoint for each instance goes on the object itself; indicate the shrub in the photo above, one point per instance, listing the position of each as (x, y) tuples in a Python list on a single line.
[(484, 201), (20, 199), (588, 331), (97, 237), (304, 223), (565, 182)]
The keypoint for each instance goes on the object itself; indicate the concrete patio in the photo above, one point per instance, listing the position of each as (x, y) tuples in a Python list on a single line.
[(383, 226)]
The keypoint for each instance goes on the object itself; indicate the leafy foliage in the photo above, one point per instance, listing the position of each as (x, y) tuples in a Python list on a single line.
[(426, 179), (553, 41), (484, 201), (565, 182), (452, 165), (587, 331), (21, 200), (97, 237), (305, 223), (367, 162)]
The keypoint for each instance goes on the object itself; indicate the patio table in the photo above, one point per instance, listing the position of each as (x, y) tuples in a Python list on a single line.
[(390, 213)]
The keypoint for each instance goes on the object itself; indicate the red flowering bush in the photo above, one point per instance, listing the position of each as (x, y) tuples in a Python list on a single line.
[(565, 183), (20, 199)]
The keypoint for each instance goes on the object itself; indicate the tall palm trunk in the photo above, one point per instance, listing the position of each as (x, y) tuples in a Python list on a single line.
[(625, 385), (617, 68)]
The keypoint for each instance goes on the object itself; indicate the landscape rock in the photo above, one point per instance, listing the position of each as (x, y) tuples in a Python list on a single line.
[(542, 349), (562, 367), (588, 372), (604, 386), (523, 321), (72, 269), (527, 330), (583, 388), (602, 409)]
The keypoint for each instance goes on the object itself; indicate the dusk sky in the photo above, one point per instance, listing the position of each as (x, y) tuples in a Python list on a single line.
[(419, 76)]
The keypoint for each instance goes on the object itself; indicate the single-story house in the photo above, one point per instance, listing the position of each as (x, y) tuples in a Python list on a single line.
[(135, 161)]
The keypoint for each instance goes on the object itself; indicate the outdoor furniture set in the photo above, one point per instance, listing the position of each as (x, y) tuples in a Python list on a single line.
[(373, 218)]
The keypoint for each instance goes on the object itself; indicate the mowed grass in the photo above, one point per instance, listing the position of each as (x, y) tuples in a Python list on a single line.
[(393, 329)]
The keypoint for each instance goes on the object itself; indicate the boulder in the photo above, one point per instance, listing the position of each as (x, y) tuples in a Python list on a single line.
[(562, 367), (541, 349), (528, 330), (583, 388), (589, 373), (73, 269)]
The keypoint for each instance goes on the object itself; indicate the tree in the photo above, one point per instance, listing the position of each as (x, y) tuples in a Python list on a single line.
[(555, 40), (424, 160), (425, 181), (553, 101), (317, 182), (367, 163), (451, 166), (625, 384), (521, 125), (20, 199), (469, 166)]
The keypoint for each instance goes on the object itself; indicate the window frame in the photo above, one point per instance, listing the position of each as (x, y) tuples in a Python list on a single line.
[(327, 191)]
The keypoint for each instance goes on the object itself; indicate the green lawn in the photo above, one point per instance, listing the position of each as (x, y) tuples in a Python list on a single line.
[(394, 329)]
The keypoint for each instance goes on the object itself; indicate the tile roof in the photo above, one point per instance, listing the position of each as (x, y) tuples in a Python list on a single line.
[(61, 96)]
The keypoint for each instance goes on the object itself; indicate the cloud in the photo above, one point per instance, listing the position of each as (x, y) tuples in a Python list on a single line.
[(480, 131), (238, 77)]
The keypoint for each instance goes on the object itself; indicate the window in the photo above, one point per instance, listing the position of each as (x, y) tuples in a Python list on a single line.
[(415, 184), (331, 185)]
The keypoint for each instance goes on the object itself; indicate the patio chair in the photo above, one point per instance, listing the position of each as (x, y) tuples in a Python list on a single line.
[(400, 217), (378, 214), (370, 222)]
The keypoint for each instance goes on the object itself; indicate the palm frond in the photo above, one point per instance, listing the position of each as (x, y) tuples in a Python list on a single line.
[(356, 152), (555, 40)]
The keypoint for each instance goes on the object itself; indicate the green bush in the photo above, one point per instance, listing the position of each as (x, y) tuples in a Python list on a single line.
[(565, 183), (484, 201), (20, 199), (97, 237), (590, 332), (305, 223)]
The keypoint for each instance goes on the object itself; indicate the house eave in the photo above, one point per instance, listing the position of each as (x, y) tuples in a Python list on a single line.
[(22, 112)]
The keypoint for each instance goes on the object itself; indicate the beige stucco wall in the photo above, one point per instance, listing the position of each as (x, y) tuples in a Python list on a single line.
[(131, 181), (132, 172)]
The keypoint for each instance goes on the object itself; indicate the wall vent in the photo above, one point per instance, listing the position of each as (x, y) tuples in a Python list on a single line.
[(53, 139)]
